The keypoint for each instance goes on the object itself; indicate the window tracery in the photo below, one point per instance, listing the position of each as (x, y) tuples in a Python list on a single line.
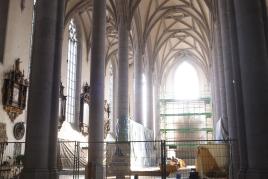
[(71, 71)]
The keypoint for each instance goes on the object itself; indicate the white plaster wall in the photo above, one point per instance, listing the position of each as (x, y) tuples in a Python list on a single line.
[(85, 77), (86, 57), (64, 59), (17, 45), (107, 82)]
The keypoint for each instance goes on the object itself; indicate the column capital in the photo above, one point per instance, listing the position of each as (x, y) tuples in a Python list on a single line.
[(139, 50), (123, 13)]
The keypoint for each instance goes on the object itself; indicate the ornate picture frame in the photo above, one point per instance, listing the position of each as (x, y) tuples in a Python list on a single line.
[(19, 130), (84, 112), (14, 91)]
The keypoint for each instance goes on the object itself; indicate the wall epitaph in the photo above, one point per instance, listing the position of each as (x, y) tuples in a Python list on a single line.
[(84, 109), (14, 91), (84, 112)]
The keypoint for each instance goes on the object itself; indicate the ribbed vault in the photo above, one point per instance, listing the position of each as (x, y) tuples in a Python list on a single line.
[(164, 29)]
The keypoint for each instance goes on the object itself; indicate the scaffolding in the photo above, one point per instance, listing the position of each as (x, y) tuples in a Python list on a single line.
[(186, 119)]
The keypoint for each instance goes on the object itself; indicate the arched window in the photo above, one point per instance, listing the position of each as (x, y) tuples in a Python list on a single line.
[(71, 72), (186, 82)]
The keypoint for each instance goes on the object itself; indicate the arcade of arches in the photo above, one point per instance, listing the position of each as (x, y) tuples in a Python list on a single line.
[(129, 55)]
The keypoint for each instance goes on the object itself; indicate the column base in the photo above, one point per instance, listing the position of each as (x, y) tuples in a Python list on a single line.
[(123, 129), (95, 170), (256, 174), (242, 174), (39, 173)]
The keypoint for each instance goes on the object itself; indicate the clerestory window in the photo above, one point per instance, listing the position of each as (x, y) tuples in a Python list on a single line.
[(71, 72)]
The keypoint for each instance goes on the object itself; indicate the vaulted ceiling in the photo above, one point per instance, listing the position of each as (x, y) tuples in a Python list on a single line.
[(165, 29)]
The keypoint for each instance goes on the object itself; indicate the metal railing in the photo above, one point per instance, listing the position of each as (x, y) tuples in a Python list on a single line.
[(139, 159)]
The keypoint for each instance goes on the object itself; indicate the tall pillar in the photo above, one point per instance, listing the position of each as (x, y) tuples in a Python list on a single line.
[(4, 7), (150, 122), (241, 141), (215, 88), (215, 82), (228, 74), (78, 76), (254, 69), (138, 109), (96, 116), (115, 98), (56, 84), (157, 134), (42, 119), (123, 31), (220, 71)]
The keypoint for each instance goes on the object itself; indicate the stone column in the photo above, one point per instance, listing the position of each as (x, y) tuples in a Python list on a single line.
[(215, 88), (241, 141), (4, 8), (228, 74), (220, 71), (150, 122), (138, 110), (215, 81), (123, 31), (96, 116), (42, 119), (78, 83), (254, 69), (115, 98), (157, 135), (56, 85)]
